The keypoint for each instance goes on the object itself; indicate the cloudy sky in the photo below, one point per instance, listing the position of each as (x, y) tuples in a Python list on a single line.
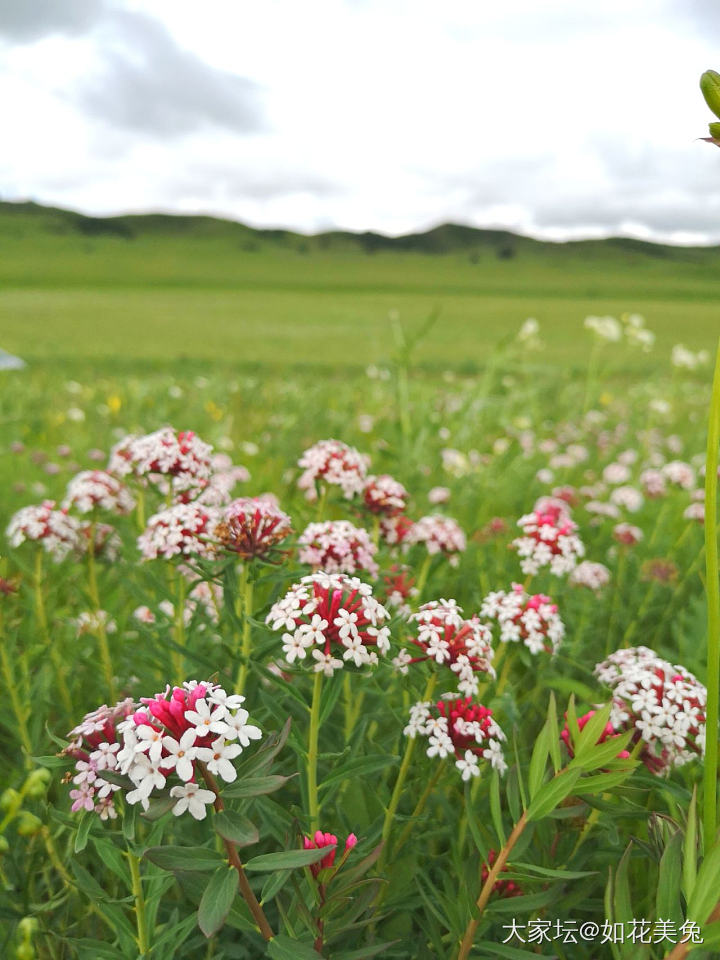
[(558, 119)]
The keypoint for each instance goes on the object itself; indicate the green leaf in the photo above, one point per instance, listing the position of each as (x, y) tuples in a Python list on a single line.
[(553, 793), (364, 953), (285, 948), (236, 828), (360, 767), (553, 734), (599, 756), (288, 859), (622, 906), (255, 786), (592, 731), (707, 887), (538, 762), (53, 761), (689, 864), (669, 878), (491, 948), (549, 872), (217, 900), (158, 807), (601, 782), (83, 831), (495, 808), (183, 858), (273, 885)]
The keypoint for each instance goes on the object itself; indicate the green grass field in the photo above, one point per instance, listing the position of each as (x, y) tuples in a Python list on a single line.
[(162, 288)]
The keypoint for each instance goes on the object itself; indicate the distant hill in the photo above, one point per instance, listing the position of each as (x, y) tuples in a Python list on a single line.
[(22, 221)]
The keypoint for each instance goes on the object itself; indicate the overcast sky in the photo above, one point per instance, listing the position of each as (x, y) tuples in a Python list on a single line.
[(558, 118)]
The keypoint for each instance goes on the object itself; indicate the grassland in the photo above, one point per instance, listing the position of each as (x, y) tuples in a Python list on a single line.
[(161, 288)]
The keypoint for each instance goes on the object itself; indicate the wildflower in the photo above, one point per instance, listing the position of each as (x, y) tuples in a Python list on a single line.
[(439, 535), (176, 731), (660, 570), (439, 495), (94, 490), (445, 637), (328, 613), (185, 529), (588, 574), (616, 473), (338, 546), (95, 746), (627, 534), (320, 840), (398, 589), (696, 511), (680, 474), (106, 543), (252, 527), (335, 463), (93, 622), (459, 728), (532, 620), (394, 530), (604, 328), (217, 489), (173, 461), (629, 498), (548, 540), (663, 704), (144, 614), (58, 533), (384, 496)]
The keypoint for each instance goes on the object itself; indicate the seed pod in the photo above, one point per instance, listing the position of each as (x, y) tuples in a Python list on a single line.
[(710, 86)]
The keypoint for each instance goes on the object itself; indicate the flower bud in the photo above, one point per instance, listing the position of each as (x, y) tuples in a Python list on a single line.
[(36, 784), (25, 951), (28, 824), (710, 86), (714, 130), (27, 927), (9, 799)]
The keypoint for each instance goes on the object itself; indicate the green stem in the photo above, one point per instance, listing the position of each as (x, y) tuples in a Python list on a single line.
[(419, 808), (246, 595), (422, 577), (143, 940), (314, 807), (505, 673), (713, 606), (20, 712), (101, 631), (140, 510), (615, 605), (400, 782), (179, 604), (41, 615)]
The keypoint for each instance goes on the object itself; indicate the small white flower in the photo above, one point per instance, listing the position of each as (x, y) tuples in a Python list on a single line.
[(218, 757), (326, 663), (192, 798), (238, 728), (468, 766), (182, 753)]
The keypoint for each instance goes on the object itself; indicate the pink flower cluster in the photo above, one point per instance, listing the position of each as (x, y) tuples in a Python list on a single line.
[(330, 613), (177, 461), (548, 540), (592, 575), (320, 840), (334, 463), (445, 637), (459, 728), (439, 535), (338, 546), (385, 496), (178, 734), (95, 746), (531, 620), (58, 533), (252, 527), (662, 703), (185, 529), (94, 490)]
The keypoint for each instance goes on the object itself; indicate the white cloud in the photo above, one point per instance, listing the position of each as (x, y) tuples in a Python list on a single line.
[(559, 119)]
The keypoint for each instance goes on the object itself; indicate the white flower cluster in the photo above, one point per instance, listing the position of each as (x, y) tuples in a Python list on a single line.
[(185, 529), (588, 574), (385, 495), (338, 546), (686, 359), (330, 613), (680, 474), (663, 703), (335, 463), (439, 534), (627, 497), (548, 540), (461, 729), (531, 620), (199, 724), (97, 490), (58, 533), (171, 460)]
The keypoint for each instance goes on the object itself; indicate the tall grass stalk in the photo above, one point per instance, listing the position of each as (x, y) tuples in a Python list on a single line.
[(713, 605)]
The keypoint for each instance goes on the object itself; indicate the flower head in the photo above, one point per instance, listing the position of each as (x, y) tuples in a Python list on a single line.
[(462, 729), (335, 463), (335, 618), (548, 539), (173, 461), (94, 490), (185, 529), (531, 620), (58, 533), (338, 546), (384, 496), (320, 840), (252, 527), (445, 637), (663, 704), (439, 535), (588, 574)]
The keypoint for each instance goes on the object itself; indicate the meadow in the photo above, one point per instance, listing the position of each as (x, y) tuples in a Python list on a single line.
[(574, 834)]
